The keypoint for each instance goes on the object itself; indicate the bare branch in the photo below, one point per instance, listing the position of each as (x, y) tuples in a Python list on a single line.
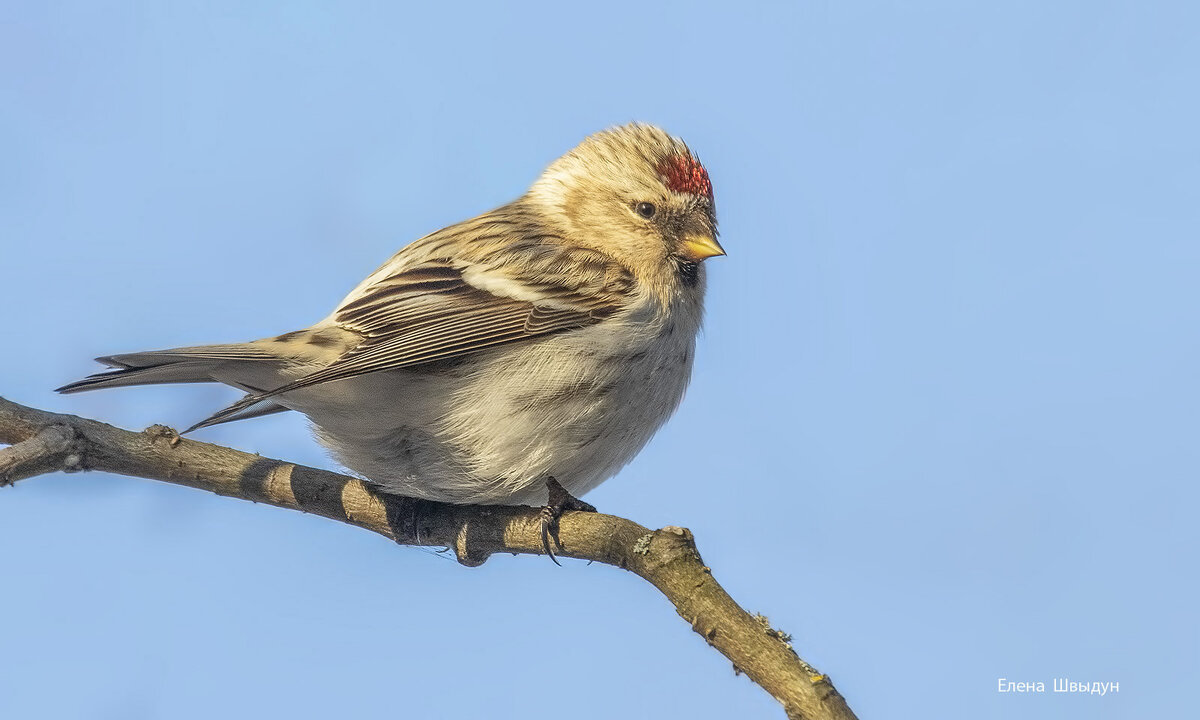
[(45, 442), (51, 449)]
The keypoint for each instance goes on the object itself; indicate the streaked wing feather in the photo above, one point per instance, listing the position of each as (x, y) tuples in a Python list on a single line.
[(431, 312)]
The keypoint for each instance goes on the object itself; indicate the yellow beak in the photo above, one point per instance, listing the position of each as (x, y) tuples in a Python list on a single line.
[(700, 247)]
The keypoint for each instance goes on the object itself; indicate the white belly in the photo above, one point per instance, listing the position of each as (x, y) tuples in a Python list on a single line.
[(577, 406)]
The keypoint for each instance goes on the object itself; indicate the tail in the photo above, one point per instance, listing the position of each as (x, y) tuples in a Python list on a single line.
[(205, 363), (180, 365)]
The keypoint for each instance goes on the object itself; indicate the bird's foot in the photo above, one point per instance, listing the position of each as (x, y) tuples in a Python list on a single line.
[(559, 502)]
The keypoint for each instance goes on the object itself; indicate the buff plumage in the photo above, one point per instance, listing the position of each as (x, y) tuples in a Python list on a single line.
[(551, 336)]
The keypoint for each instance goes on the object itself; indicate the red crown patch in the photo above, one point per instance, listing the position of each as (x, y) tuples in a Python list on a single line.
[(685, 174)]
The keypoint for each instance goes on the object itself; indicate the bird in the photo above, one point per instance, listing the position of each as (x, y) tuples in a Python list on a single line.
[(538, 345)]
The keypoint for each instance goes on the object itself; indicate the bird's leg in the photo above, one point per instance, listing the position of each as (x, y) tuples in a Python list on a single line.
[(559, 502)]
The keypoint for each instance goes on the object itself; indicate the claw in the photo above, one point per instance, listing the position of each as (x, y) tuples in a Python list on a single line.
[(558, 502), (547, 522)]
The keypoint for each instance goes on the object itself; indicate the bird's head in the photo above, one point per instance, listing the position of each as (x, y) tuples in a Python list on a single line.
[(638, 195)]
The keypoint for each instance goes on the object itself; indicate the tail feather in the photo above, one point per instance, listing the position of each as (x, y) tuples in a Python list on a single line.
[(208, 363), (244, 409), (178, 365), (178, 372), (251, 367), (250, 406), (243, 351)]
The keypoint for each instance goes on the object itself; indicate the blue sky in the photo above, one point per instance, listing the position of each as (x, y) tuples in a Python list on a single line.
[(943, 422)]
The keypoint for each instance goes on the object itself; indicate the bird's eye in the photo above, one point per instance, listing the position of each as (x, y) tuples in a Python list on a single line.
[(646, 209)]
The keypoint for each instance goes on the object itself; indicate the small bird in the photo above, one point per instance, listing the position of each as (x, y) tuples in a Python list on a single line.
[(541, 343)]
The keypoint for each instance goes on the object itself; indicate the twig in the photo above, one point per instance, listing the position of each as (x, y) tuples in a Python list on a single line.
[(50, 449), (45, 442)]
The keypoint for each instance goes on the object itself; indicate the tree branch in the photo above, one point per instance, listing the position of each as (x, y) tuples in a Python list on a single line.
[(43, 442)]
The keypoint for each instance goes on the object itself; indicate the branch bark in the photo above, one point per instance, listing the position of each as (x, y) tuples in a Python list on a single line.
[(43, 442)]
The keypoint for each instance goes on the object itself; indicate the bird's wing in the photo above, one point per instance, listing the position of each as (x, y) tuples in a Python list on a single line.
[(442, 309)]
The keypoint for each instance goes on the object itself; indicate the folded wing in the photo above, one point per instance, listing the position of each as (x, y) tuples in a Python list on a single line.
[(442, 309)]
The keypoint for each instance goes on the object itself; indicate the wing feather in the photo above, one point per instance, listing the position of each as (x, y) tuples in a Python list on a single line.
[(443, 308)]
